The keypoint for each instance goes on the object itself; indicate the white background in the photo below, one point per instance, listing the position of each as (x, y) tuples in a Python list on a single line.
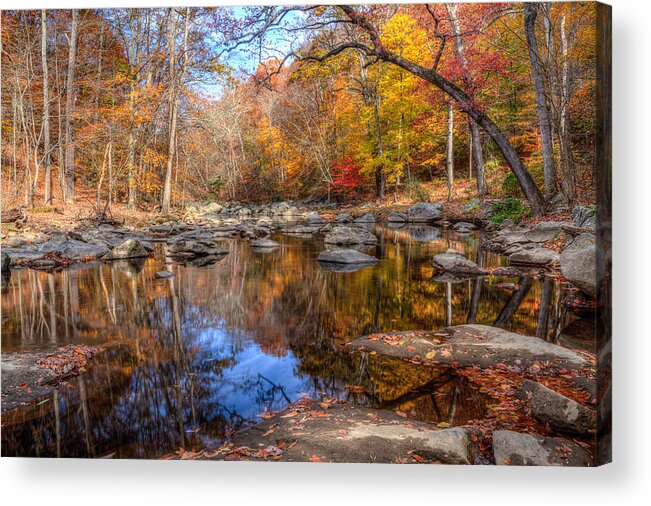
[(626, 481)]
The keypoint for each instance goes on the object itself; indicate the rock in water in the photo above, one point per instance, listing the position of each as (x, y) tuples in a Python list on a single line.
[(367, 218), (560, 412), (346, 256), (314, 219), (454, 262), (534, 256), (424, 212), (579, 263), (194, 249), (463, 227), (349, 235), (130, 248), (516, 449), (165, 274), (343, 218), (394, 217), (264, 244)]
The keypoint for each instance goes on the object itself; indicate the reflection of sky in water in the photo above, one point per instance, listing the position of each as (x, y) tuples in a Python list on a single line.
[(256, 380)]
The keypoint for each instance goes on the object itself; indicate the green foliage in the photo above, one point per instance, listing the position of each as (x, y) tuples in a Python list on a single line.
[(215, 186), (509, 208), (510, 186)]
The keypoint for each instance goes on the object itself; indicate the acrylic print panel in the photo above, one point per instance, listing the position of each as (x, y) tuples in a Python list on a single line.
[(326, 234)]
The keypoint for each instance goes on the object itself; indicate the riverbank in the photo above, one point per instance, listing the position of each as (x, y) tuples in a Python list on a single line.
[(351, 240)]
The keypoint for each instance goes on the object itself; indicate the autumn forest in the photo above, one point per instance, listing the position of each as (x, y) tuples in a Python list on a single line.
[(152, 108)]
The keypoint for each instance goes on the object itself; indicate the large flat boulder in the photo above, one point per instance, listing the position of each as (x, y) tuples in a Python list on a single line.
[(471, 345), (517, 449), (579, 263), (424, 212), (346, 256), (560, 412), (343, 235), (305, 432)]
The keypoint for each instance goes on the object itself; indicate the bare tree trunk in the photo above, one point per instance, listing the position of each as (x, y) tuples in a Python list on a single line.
[(379, 176), (174, 106), (530, 13), (171, 147), (476, 151), (449, 148), (46, 111), (69, 187), (568, 184)]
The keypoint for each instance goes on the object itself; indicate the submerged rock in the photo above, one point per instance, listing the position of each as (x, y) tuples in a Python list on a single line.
[(560, 412), (346, 256), (130, 248), (516, 449), (454, 262), (349, 235), (579, 263), (424, 212)]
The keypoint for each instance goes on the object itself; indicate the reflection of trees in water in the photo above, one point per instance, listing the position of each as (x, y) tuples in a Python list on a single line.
[(184, 333)]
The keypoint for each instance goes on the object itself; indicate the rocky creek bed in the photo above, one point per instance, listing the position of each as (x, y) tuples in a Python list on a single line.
[(541, 395)]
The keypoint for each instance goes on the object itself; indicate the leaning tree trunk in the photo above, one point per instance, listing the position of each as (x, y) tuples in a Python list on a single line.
[(530, 13), (465, 103), (69, 186), (47, 159), (475, 137)]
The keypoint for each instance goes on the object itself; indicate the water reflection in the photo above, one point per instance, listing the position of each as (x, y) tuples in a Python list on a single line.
[(196, 356)]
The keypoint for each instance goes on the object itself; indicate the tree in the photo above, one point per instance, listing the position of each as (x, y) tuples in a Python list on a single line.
[(365, 37), (477, 152), (530, 14), (47, 157), (69, 188)]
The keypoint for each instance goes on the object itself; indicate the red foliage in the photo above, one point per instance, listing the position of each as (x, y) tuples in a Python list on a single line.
[(346, 177)]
